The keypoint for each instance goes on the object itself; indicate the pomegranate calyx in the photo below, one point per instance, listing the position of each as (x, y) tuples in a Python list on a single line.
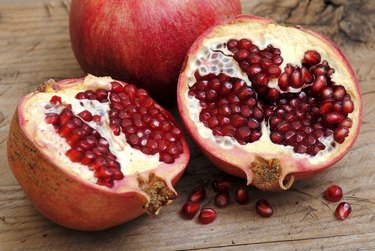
[(159, 192), (270, 175)]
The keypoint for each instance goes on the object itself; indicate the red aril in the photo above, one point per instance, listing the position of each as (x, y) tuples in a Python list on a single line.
[(89, 156), (221, 185), (343, 211), (281, 109), (197, 195), (189, 209), (264, 208), (142, 41), (333, 193), (207, 215), (222, 199), (242, 197)]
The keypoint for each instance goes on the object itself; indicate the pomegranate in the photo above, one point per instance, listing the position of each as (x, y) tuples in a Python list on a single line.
[(267, 102), (142, 41), (93, 153)]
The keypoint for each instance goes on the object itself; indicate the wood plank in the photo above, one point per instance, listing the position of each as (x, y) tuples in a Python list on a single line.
[(34, 46)]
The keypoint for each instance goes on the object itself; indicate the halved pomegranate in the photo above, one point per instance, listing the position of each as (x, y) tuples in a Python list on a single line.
[(93, 153), (268, 102)]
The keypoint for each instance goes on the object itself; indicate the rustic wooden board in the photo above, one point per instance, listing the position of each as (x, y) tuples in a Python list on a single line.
[(34, 46)]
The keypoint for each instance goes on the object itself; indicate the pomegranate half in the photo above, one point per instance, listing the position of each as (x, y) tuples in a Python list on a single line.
[(93, 153), (268, 102), (142, 41)]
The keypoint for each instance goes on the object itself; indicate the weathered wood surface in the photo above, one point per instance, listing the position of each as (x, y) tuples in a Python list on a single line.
[(34, 46)]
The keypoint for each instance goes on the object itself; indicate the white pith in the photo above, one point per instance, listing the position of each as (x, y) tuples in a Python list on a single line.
[(132, 161), (292, 44)]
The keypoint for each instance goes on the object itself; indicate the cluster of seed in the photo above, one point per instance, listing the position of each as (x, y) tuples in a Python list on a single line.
[(87, 146), (296, 122), (299, 121), (259, 65), (229, 107), (146, 127)]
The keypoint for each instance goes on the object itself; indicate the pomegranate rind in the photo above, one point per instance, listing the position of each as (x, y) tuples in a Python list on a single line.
[(71, 201), (257, 165)]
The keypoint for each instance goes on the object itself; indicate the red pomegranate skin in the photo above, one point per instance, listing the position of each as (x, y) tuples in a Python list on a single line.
[(142, 41), (88, 207)]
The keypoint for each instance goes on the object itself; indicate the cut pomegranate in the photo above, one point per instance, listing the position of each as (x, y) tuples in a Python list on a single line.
[(343, 211), (266, 107), (197, 195), (207, 215), (333, 193), (93, 153), (264, 208), (189, 210), (242, 197), (222, 199)]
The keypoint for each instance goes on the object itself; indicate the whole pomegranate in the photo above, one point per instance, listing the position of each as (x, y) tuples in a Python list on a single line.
[(93, 153), (142, 41), (268, 102)]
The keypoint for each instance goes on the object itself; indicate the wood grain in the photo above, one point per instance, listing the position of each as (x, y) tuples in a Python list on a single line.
[(34, 46)]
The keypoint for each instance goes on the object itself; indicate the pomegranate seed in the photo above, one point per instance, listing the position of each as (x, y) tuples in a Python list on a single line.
[(197, 195), (189, 210), (244, 44), (232, 43), (307, 78), (241, 55), (207, 215), (276, 137), (311, 57), (347, 106), (65, 115), (326, 93), (339, 134), (296, 79), (85, 115), (55, 99), (339, 93), (81, 95), (326, 108), (74, 154), (222, 199), (101, 94), (333, 118), (319, 83), (283, 81), (242, 196), (96, 118), (333, 193), (88, 157), (117, 87), (264, 208), (347, 122), (221, 185), (52, 118), (343, 210)]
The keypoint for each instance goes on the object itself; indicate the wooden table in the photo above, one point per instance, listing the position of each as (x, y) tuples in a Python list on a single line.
[(34, 46)]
